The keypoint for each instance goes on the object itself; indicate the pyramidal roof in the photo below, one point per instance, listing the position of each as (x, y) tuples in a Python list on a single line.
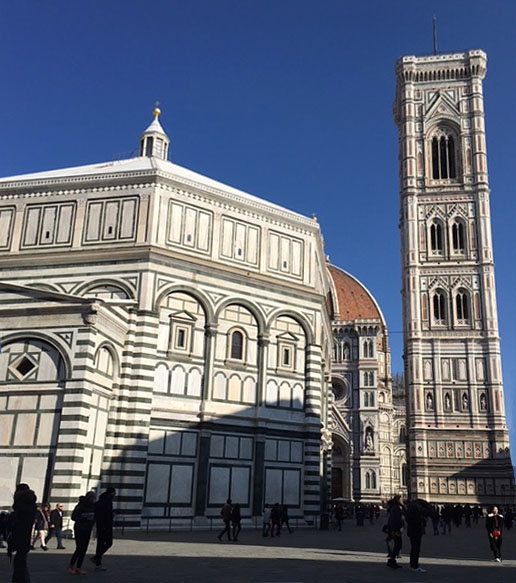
[(143, 165)]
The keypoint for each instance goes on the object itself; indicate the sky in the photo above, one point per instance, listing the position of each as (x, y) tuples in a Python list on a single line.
[(290, 100)]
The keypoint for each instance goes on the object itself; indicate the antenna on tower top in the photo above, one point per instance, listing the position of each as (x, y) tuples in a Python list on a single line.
[(434, 30)]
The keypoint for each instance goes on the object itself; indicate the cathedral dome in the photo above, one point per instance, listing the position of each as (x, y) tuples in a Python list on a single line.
[(350, 300)]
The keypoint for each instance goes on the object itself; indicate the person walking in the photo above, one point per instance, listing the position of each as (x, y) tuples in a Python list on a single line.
[(19, 531), (104, 523), (41, 526), (339, 516), (225, 512), (276, 520), (494, 527), (56, 526), (4, 521), (235, 521), (266, 520), (415, 524), (395, 528), (284, 517), (84, 517)]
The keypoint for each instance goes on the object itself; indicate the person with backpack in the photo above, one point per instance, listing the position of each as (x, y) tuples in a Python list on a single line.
[(104, 522), (19, 530), (84, 517)]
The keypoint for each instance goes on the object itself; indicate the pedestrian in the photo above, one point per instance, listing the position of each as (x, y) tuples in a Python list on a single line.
[(359, 514), (235, 521), (467, 515), (276, 520), (4, 520), (415, 518), (56, 526), (434, 516), (395, 528), (266, 519), (494, 527), (339, 516), (446, 515), (225, 512), (104, 524), (19, 530), (284, 517), (84, 517), (41, 526), (508, 518)]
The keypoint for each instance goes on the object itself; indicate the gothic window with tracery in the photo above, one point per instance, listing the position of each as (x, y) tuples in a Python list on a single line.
[(436, 238), (439, 308), (462, 306), (444, 155), (458, 236)]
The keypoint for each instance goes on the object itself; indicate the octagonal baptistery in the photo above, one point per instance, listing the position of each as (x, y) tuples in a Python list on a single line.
[(164, 334), (368, 417)]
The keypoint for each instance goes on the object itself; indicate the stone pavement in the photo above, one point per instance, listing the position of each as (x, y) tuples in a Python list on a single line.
[(306, 556)]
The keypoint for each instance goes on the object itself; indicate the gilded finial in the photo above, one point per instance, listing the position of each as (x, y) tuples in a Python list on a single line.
[(157, 110)]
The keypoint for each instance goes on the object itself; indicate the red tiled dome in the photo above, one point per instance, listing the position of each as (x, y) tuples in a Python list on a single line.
[(352, 301)]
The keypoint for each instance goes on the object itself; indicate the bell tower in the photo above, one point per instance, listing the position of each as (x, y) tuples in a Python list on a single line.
[(458, 440)]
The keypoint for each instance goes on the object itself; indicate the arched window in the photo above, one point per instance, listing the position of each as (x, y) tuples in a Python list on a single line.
[(439, 308), (366, 399), (458, 237), (371, 399), (436, 238), (373, 480), (368, 481), (444, 157), (402, 435), (237, 345), (462, 306)]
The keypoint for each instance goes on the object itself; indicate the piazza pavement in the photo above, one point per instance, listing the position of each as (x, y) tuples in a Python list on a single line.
[(305, 556)]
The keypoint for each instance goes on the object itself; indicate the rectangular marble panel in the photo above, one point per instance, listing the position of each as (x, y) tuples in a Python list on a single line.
[(34, 472), (181, 484), (246, 448), (8, 479), (240, 485), (219, 485), (217, 446), (204, 231), (6, 429), (296, 451), (65, 224), (93, 221), (291, 487), (128, 218), (46, 429), (156, 441), (6, 225), (158, 476), (271, 446), (273, 483), (100, 431), (283, 450), (25, 427), (231, 447), (173, 443), (32, 217), (189, 443), (48, 402), (48, 224)]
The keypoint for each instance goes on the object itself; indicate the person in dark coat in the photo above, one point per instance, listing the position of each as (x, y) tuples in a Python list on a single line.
[(284, 517), (19, 528), (494, 527), (235, 521), (41, 526), (276, 520), (84, 517), (104, 522), (339, 516), (395, 528), (56, 526), (4, 521), (415, 519), (225, 512)]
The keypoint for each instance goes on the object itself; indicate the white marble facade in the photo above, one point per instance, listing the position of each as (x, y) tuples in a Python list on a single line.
[(162, 333), (459, 445)]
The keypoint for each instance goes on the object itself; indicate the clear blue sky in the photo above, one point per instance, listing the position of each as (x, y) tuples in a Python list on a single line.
[(290, 100)]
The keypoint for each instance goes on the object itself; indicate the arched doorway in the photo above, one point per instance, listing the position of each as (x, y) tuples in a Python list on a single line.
[(341, 469)]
